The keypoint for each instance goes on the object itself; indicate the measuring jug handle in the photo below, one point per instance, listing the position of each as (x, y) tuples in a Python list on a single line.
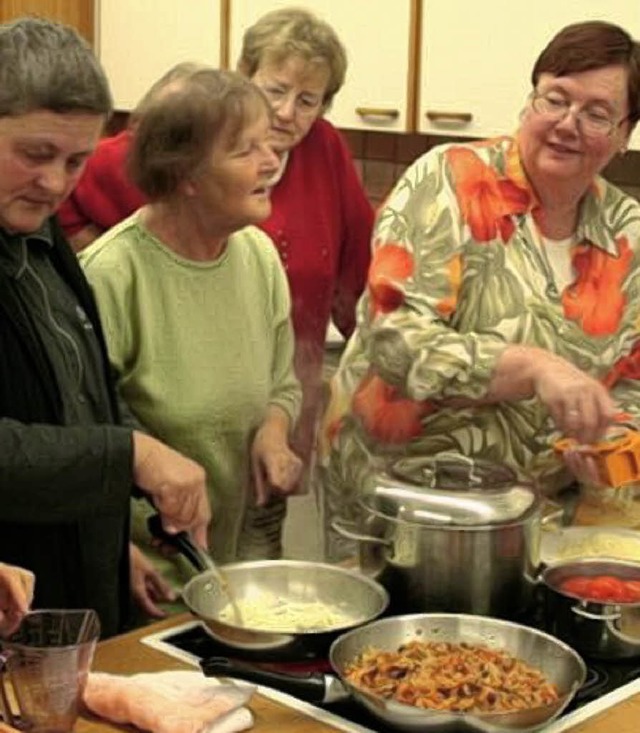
[(8, 715)]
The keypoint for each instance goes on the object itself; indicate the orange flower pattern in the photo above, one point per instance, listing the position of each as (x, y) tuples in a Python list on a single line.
[(628, 367), (458, 273), (487, 201), (385, 415), (447, 305), (390, 265), (596, 298)]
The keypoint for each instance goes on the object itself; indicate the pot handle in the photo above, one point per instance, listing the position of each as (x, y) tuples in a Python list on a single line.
[(181, 542), (9, 715), (348, 529), (579, 611), (313, 687)]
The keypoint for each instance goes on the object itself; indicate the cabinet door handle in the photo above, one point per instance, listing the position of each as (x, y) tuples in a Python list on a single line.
[(462, 118), (387, 114)]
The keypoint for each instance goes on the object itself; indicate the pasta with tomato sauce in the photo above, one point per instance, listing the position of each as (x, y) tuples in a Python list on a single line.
[(452, 677)]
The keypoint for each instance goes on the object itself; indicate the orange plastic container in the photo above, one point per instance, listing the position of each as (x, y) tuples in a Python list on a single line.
[(617, 457)]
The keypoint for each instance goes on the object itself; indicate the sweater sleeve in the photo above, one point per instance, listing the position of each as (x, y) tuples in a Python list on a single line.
[(104, 195), (413, 290), (71, 217), (52, 474), (355, 244), (285, 390)]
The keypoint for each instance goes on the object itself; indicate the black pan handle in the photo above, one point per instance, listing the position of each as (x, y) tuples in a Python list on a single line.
[(311, 686), (181, 542)]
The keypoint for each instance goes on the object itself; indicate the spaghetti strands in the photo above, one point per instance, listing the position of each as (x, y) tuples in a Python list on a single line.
[(452, 677), (267, 612)]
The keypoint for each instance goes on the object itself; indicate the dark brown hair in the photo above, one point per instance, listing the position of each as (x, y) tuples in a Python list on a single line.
[(177, 129), (593, 45)]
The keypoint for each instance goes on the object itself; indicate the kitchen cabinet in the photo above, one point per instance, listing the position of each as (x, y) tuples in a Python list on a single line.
[(476, 60), (138, 41), (378, 38), (76, 13)]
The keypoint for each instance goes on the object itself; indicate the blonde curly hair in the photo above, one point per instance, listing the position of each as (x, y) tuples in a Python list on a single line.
[(294, 32)]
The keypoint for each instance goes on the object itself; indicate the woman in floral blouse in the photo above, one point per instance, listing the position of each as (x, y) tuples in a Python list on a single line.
[(503, 301)]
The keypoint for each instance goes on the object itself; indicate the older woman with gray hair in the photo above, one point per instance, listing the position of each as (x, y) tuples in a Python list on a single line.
[(321, 220), (68, 464), (195, 307), (105, 194)]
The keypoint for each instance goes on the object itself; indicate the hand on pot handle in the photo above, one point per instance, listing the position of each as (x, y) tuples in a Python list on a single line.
[(175, 485), (181, 542)]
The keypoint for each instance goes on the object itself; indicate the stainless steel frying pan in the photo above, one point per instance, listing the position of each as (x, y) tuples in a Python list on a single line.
[(361, 600), (559, 663)]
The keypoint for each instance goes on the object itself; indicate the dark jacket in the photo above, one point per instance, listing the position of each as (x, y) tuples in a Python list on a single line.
[(64, 491)]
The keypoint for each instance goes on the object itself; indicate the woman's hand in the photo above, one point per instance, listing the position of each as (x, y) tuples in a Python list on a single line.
[(582, 466), (175, 484), (16, 595), (579, 405), (148, 587), (275, 467)]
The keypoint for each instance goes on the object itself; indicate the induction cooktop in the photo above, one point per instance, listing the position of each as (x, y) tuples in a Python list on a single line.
[(607, 683)]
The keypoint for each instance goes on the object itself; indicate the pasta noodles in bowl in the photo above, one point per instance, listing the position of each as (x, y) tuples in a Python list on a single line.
[(590, 542)]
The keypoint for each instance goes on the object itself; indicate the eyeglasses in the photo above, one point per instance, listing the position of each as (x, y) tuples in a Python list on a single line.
[(591, 122), (305, 105)]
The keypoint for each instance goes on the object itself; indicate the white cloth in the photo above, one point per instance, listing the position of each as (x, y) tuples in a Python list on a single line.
[(170, 702)]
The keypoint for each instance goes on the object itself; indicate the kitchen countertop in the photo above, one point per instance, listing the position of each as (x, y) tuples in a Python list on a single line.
[(126, 655)]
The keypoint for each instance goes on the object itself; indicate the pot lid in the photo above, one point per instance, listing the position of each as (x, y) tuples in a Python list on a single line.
[(449, 489)]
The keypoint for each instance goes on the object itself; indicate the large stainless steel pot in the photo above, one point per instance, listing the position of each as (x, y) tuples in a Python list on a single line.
[(449, 534), (559, 663), (595, 628)]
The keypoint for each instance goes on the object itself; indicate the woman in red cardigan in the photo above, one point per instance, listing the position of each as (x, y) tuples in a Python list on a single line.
[(321, 220)]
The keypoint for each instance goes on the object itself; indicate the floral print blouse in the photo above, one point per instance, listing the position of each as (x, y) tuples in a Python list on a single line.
[(459, 271)]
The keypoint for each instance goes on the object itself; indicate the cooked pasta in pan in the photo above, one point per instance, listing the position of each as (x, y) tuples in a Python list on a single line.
[(267, 612), (452, 677)]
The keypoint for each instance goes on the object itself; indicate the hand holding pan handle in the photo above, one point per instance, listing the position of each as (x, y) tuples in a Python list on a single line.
[(181, 542), (313, 687)]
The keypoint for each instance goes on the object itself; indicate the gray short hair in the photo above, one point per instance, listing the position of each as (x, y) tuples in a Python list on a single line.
[(173, 76), (176, 130), (47, 65)]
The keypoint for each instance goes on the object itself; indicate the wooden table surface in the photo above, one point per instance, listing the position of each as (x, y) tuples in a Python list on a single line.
[(126, 655), (621, 718)]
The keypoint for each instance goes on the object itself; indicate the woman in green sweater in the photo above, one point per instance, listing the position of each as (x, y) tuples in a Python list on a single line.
[(196, 309)]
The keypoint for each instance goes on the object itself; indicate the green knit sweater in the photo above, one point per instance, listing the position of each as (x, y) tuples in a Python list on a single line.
[(201, 349)]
